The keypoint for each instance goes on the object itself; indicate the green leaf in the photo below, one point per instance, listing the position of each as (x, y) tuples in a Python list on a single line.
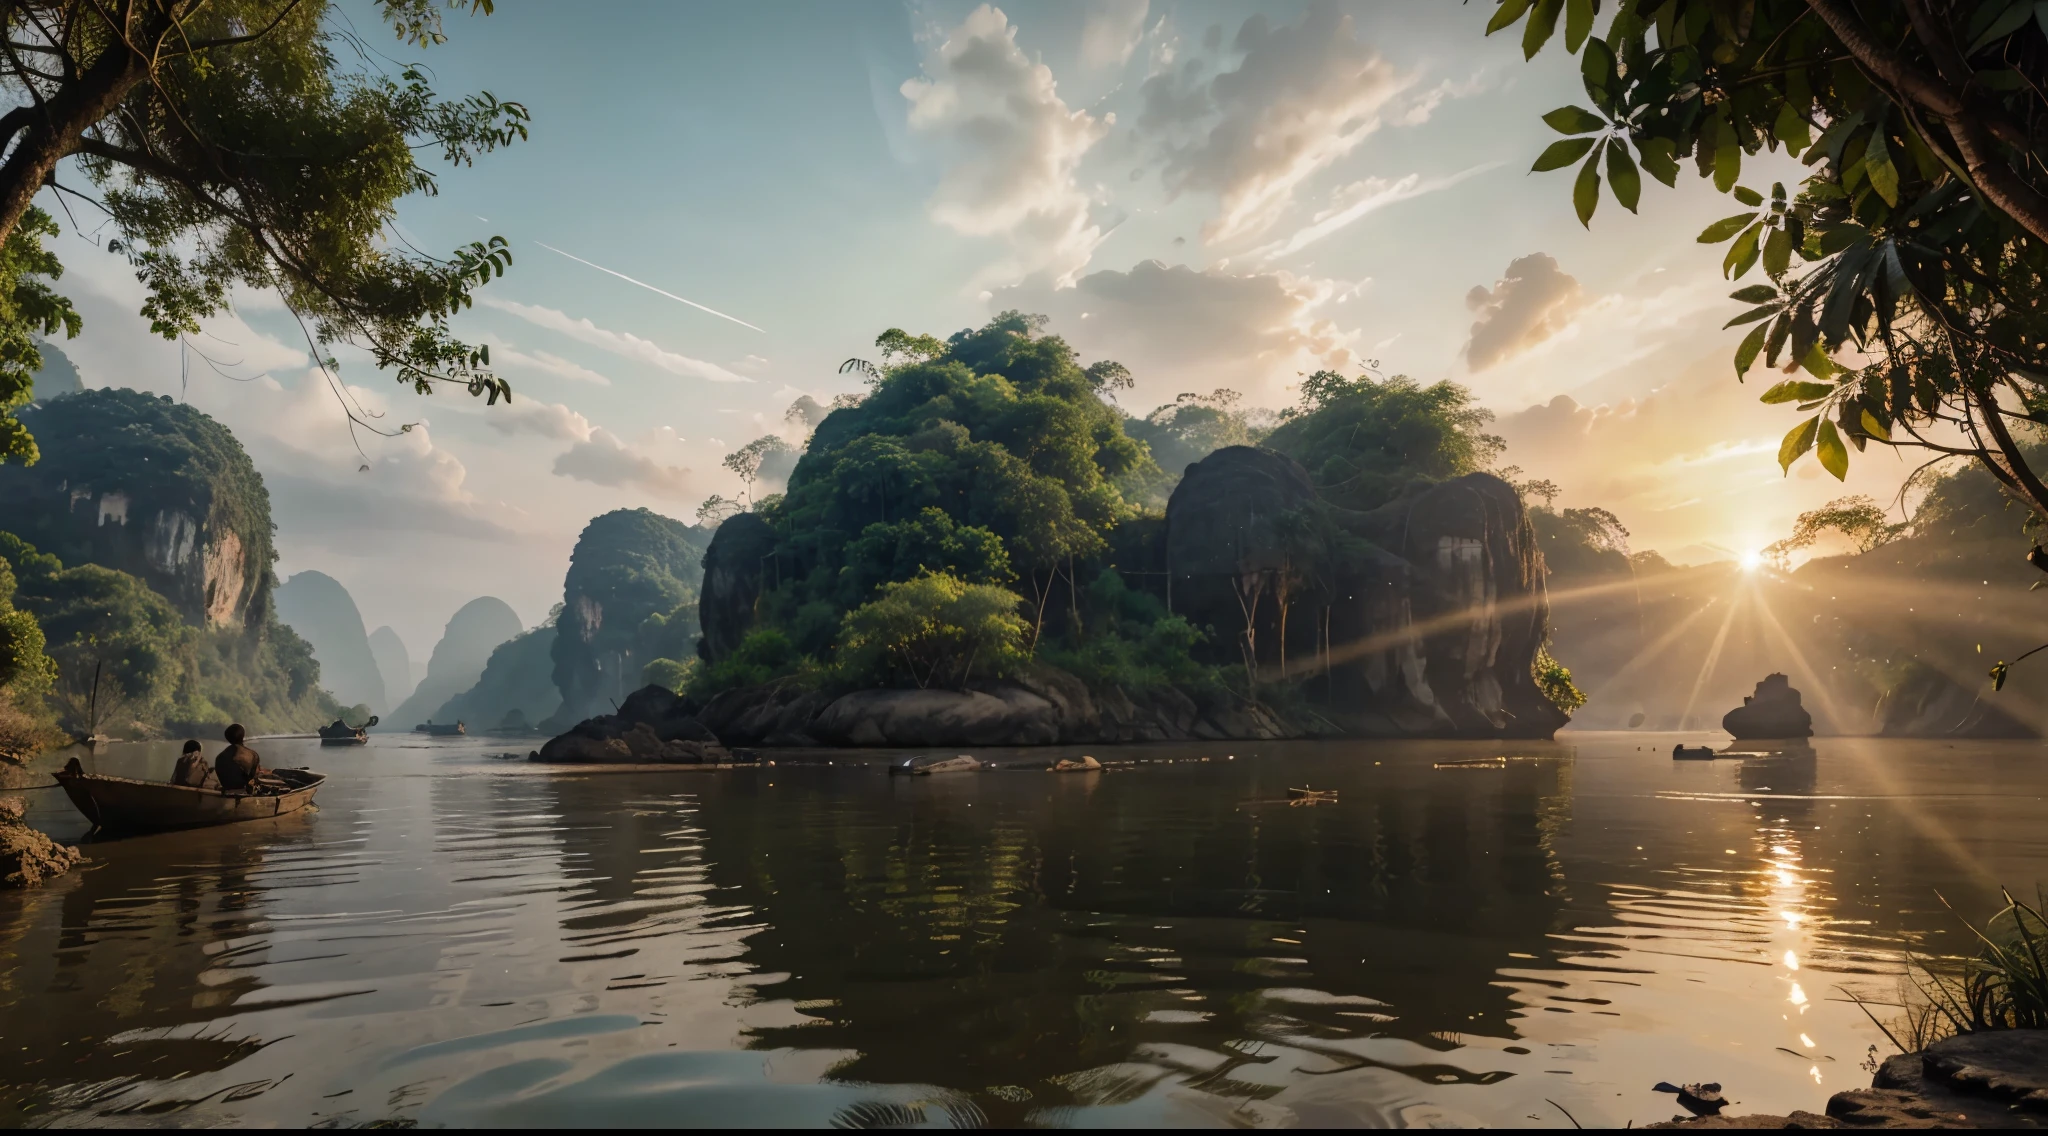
[(1742, 254), (1874, 428), (1796, 443), (1763, 311), (1726, 227), (1574, 120), (1833, 455), (1727, 156), (1817, 362), (1877, 166), (1655, 154), (1797, 390), (1601, 77), (1622, 176), (1777, 253), (2007, 23), (1578, 21), (1999, 671), (1791, 129), (1754, 294), (1508, 13), (1586, 190), (1745, 355), (1561, 154), (1840, 237), (1542, 22), (1749, 197)]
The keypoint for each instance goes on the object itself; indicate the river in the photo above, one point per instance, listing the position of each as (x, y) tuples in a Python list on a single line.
[(454, 938)]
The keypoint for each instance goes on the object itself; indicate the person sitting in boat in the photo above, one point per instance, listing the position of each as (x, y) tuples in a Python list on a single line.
[(238, 766), (192, 769)]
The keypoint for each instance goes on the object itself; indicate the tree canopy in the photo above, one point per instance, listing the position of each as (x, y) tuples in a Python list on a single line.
[(1364, 439), (1920, 240), (241, 142)]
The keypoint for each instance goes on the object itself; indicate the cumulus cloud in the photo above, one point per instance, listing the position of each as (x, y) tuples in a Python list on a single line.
[(1180, 329), (1302, 97), (1111, 31), (603, 458), (624, 344), (1532, 302), (1013, 146), (550, 364), (544, 419)]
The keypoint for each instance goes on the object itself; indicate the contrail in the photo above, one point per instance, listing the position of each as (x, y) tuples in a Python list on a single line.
[(650, 287)]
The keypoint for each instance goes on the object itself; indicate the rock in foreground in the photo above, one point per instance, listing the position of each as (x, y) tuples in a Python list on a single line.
[(28, 857), (652, 726), (1772, 712)]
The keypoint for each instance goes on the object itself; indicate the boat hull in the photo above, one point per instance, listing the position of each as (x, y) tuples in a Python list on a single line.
[(123, 804)]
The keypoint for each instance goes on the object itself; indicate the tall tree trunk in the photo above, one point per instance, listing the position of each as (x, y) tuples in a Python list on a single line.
[(54, 131), (1248, 587)]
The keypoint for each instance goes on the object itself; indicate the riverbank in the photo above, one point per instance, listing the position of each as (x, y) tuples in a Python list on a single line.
[(1996, 1079)]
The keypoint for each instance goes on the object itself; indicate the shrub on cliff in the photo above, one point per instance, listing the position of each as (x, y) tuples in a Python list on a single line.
[(1364, 439), (935, 630)]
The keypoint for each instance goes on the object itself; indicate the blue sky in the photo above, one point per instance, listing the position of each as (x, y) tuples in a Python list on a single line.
[(1215, 194)]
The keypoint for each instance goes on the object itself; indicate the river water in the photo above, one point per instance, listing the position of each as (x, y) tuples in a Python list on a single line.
[(459, 939)]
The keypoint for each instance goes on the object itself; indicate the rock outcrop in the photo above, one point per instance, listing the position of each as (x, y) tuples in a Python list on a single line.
[(28, 857), (394, 663), (473, 632), (320, 609), (733, 568), (151, 487), (1772, 712), (1435, 611), (1925, 703), (652, 726), (630, 565)]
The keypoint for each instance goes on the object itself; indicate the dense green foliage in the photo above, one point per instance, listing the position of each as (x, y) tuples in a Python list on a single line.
[(29, 310), (630, 597), (1921, 237), (125, 660), (163, 456), (1363, 440), (232, 143), (1581, 542), (935, 629)]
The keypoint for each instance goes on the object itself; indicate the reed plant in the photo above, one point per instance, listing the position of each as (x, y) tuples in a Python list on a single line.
[(2004, 985)]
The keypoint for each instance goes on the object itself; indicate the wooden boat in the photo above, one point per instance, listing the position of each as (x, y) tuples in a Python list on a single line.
[(439, 730), (1683, 752), (127, 805)]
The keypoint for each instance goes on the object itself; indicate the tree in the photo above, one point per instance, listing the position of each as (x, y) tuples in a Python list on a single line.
[(1363, 439), (767, 457), (1921, 238), (1858, 518), (936, 628), (229, 145)]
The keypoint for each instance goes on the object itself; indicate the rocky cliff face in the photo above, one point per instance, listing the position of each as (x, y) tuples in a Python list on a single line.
[(153, 488), (316, 606), (629, 564), (458, 660), (518, 679), (1420, 618), (732, 583), (394, 663)]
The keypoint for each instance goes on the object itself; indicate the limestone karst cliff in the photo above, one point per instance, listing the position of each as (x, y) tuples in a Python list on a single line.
[(630, 597), (473, 632), (148, 486), (320, 609)]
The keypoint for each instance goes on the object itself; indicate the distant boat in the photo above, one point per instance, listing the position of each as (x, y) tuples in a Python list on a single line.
[(124, 804), (340, 733), (1682, 752), (439, 730)]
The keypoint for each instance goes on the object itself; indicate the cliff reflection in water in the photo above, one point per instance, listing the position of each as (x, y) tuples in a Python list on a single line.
[(1463, 935), (983, 930)]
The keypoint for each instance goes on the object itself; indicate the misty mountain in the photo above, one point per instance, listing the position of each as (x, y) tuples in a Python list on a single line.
[(458, 660), (518, 679), (57, 376), (393, 663), (316, 606)]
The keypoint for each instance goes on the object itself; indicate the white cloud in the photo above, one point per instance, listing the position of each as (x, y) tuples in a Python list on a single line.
[(1352, 202), (545, 419), (549, 364), (1533, 302), (1179, 329), (1302, 97), (603, 458), (624, 344), (1013, 147), (1111, 31)]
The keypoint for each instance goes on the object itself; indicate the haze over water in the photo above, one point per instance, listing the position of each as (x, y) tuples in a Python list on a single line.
[(458, 939)]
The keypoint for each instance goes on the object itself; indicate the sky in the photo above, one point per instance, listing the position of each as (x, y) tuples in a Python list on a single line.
[(719, 203)]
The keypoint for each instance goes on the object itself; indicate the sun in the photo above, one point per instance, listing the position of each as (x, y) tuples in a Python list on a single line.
[(1751, 561)]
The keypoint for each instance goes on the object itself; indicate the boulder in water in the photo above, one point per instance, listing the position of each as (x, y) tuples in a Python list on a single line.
[(653, 726), (28, 857), (1772, 712)]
